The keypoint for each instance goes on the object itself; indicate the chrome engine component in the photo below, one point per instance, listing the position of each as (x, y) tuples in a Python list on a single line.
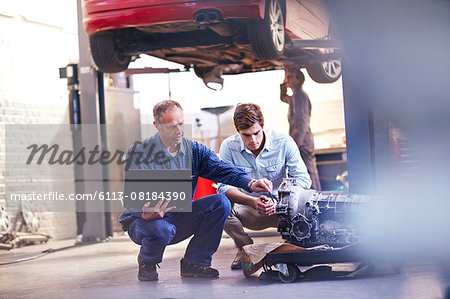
[(308, 217)]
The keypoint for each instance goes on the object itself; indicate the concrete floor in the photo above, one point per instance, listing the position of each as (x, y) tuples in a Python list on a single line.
[(109, 269)]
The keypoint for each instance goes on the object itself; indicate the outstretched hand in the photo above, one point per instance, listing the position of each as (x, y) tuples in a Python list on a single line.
[(261, 185), (156, 212)]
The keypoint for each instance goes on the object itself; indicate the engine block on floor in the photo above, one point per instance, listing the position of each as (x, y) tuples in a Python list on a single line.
[(308, 217)]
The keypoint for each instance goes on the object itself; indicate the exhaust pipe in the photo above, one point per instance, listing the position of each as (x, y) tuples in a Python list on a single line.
[(208, 16), (212, 18)]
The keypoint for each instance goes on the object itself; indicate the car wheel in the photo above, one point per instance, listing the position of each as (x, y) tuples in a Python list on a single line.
[(267, 36), (106, 56), (325, 72), (294, 274)]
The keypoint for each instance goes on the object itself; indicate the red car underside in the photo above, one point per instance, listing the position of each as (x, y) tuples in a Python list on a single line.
[(116, 14)]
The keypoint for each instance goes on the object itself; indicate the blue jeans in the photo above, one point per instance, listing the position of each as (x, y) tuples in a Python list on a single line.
[(205, 222)]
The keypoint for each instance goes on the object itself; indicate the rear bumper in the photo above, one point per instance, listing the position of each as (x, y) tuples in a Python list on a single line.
[(168, 13)]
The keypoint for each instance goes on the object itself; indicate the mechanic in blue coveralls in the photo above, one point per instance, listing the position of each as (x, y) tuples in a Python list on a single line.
[(262, 154), (156, 227)]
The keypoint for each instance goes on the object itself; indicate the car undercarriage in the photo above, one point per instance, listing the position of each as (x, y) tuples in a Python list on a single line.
[(209, 49)]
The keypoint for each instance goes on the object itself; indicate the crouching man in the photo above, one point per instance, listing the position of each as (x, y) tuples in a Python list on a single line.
[(260, 153), (155, 228)]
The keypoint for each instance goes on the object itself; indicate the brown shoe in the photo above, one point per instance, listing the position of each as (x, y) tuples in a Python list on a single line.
[(147, 271), (236, 264), (188, 269)]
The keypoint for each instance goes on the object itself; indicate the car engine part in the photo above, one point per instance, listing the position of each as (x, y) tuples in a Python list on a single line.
[(309, 218)]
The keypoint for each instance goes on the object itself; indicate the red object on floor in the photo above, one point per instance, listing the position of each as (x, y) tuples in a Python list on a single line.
[(204, 188)]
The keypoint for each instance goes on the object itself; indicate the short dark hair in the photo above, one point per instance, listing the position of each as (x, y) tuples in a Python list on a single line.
[(162, 107), (246, 115)]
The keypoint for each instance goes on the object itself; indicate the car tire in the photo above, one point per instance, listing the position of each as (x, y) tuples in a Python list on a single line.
[(267, 36), (325, 72), (106, 55)]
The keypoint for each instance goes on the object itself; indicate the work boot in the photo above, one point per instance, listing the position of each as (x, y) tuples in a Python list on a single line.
[(236, 264), (147, 271), (188, 269)]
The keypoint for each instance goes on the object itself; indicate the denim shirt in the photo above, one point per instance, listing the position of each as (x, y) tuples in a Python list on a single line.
[(191, 155), (279, 157)]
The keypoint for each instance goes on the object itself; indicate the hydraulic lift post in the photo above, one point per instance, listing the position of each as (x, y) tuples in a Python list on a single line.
[(94, 229)]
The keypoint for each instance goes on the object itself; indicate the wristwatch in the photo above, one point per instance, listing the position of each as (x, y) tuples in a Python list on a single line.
[(250, 183)]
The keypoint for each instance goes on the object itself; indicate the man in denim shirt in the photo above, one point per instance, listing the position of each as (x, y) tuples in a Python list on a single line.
[(156, 227), (262, 154)]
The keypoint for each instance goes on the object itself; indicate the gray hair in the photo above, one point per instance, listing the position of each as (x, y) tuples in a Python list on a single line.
[(162, 107)]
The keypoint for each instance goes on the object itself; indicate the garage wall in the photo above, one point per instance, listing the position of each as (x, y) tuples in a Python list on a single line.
[(327, 123), (33, 45)]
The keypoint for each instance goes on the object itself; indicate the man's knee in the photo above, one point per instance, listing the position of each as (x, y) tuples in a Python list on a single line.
[(224, 203), (160, 231), (218, 204)]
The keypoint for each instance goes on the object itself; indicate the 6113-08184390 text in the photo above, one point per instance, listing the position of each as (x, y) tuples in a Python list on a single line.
[(58, 196)]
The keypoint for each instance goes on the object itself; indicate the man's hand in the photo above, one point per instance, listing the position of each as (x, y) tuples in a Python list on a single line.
[(265, 206), (156, 212), (261, 185), (285, 81)]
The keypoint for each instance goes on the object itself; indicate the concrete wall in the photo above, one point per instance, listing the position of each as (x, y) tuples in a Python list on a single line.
[(36, 38)]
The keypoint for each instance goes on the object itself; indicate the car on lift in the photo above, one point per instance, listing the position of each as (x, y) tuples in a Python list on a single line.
[(214, 37)]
